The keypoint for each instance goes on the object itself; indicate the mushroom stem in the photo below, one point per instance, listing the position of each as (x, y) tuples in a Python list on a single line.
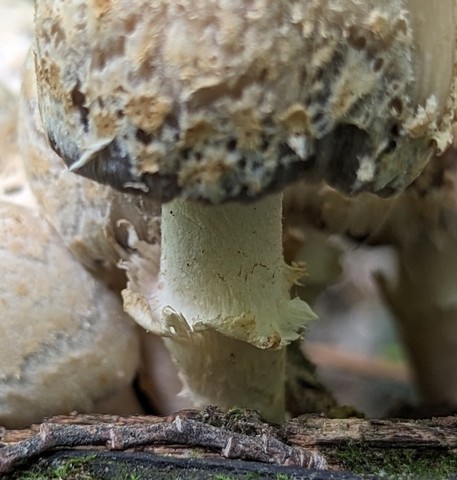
[(425, 306), (223, 301), (222, 266)]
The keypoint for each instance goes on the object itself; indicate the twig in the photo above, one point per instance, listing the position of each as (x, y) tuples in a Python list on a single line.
[(120, 434)]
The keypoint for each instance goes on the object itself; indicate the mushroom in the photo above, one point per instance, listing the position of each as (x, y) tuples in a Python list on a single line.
[(65, 343), (213, 108)]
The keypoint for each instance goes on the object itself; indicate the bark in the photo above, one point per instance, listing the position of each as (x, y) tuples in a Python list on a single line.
[(314, 432)]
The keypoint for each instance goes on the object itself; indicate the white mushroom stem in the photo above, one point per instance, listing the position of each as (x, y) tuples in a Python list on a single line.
[(223, 267), (223, 301)]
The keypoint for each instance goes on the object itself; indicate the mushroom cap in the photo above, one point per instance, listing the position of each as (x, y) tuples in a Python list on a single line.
[(65, 342), (223, 100)]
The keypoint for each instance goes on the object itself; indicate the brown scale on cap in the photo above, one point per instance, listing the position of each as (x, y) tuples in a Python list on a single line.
[(228, 100)]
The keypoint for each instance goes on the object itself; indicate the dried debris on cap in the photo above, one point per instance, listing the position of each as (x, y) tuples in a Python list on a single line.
[(227, 100)]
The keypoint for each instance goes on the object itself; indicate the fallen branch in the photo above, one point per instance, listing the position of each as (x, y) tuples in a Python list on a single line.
[(117, 433)]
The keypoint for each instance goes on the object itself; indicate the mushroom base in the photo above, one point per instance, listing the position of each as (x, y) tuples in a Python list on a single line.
[(219, 370)]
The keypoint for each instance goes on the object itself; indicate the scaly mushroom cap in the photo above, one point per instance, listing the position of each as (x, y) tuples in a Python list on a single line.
[(227, 100)]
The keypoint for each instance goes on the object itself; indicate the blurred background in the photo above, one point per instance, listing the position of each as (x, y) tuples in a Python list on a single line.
[(354, 344)]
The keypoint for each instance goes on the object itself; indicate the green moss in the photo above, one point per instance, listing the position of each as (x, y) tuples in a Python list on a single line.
[(235, 411), (72, 469), (395, 464)]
